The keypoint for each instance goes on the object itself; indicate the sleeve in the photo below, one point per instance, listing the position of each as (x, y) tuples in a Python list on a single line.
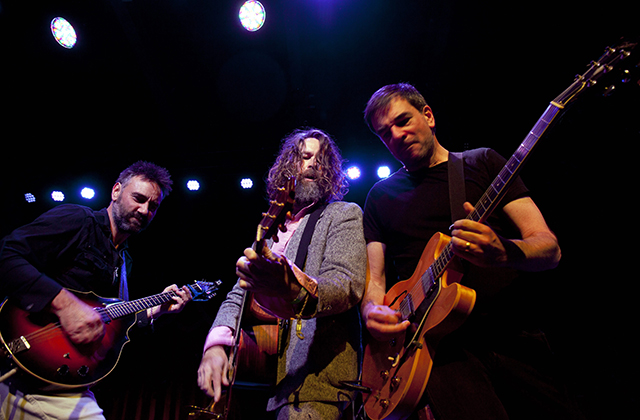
[(372, 231), (31, 250), (229, 310)]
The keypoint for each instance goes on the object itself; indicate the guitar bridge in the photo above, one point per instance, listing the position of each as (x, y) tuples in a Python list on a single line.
[(19, 345)]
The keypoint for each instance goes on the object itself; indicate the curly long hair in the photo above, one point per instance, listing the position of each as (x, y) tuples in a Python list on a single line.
[(333, 182)]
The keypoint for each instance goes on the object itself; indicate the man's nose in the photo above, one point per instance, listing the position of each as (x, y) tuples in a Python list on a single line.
[(397, 133), (143, 208), (311, 163)]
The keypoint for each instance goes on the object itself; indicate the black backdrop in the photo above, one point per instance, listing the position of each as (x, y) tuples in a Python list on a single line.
[(181, 84)]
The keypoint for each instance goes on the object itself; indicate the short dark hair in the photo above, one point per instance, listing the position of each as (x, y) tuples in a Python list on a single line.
[(332, 182), (150, 172), (382, 97)]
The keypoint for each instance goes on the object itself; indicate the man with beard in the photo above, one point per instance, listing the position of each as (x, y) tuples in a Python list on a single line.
[(74, 247), (315, 298)]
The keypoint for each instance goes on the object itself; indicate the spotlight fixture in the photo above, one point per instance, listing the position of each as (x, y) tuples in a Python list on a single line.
[(353, 172), (57, 196), (384, 172), (193, 185), (252, 15), (246, 183), (63, 32), (87, 193)]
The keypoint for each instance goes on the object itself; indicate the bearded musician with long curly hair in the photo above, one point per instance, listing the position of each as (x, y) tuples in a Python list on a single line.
[(315, 298)]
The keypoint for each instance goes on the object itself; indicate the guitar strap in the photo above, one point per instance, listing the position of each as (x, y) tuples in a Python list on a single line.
[(457, 192), (301, 255)]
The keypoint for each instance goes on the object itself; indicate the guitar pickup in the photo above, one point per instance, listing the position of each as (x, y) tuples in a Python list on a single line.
[(19, 345)]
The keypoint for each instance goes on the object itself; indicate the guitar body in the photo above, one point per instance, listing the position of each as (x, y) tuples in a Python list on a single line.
[(397, 371), (51, 356), (36, 343), (254, 365), (257, 357)]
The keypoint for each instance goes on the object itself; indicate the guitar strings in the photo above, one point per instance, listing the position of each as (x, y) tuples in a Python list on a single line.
[(44, 333), (418, 288), (114, 311)]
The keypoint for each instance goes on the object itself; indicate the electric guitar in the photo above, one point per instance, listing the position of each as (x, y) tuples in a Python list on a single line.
[(36, 343), (251, 355), (396, 372)]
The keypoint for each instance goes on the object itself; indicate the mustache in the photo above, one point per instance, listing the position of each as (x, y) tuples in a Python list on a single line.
[(310, 173), (140, 218)]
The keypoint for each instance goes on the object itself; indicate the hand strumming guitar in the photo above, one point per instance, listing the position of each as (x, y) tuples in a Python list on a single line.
[(79, 321), (213, 372)]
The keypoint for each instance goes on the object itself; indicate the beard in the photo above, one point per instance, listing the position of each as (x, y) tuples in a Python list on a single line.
[(128, 222), (307, 193)]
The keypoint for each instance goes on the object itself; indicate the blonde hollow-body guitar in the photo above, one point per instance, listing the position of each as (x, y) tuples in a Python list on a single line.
[(396, 371)]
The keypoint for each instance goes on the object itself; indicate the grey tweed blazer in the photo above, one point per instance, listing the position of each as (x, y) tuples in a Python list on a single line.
[(312, 368)]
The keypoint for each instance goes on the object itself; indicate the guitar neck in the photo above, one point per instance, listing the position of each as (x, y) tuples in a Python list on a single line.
[(121, 309), (496, 191), (498, 188)]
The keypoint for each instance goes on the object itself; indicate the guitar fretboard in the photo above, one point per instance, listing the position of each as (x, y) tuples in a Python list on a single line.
[(121, 309)]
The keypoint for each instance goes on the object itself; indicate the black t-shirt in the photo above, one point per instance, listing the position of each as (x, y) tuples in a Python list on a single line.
[(405, 210)]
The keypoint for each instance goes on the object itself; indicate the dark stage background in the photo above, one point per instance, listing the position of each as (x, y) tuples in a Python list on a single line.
[(180, 83)]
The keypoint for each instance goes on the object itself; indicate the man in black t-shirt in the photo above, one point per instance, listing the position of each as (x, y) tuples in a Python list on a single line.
[(484, 370)]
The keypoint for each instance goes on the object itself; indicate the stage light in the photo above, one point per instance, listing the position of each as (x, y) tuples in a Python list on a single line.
[(57, 196), (384, 172), (87, 193), (354, 172), (252, 15), (193, 185), (246, 183), (30, 198), (63, 32)]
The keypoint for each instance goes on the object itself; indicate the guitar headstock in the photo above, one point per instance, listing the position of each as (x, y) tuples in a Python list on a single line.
[(202, 291), (609, 61), (276, 216)]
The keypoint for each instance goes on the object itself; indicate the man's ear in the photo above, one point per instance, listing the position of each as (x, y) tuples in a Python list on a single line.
[(116, 191), (428, 114)]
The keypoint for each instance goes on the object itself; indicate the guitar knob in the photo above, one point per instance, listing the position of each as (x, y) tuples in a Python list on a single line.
[(395, 382), (83, 371), (384, 403), (384, 375), (62, 370)]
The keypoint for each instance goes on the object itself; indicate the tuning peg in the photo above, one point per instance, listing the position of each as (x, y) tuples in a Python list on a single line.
[(609, 90)]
